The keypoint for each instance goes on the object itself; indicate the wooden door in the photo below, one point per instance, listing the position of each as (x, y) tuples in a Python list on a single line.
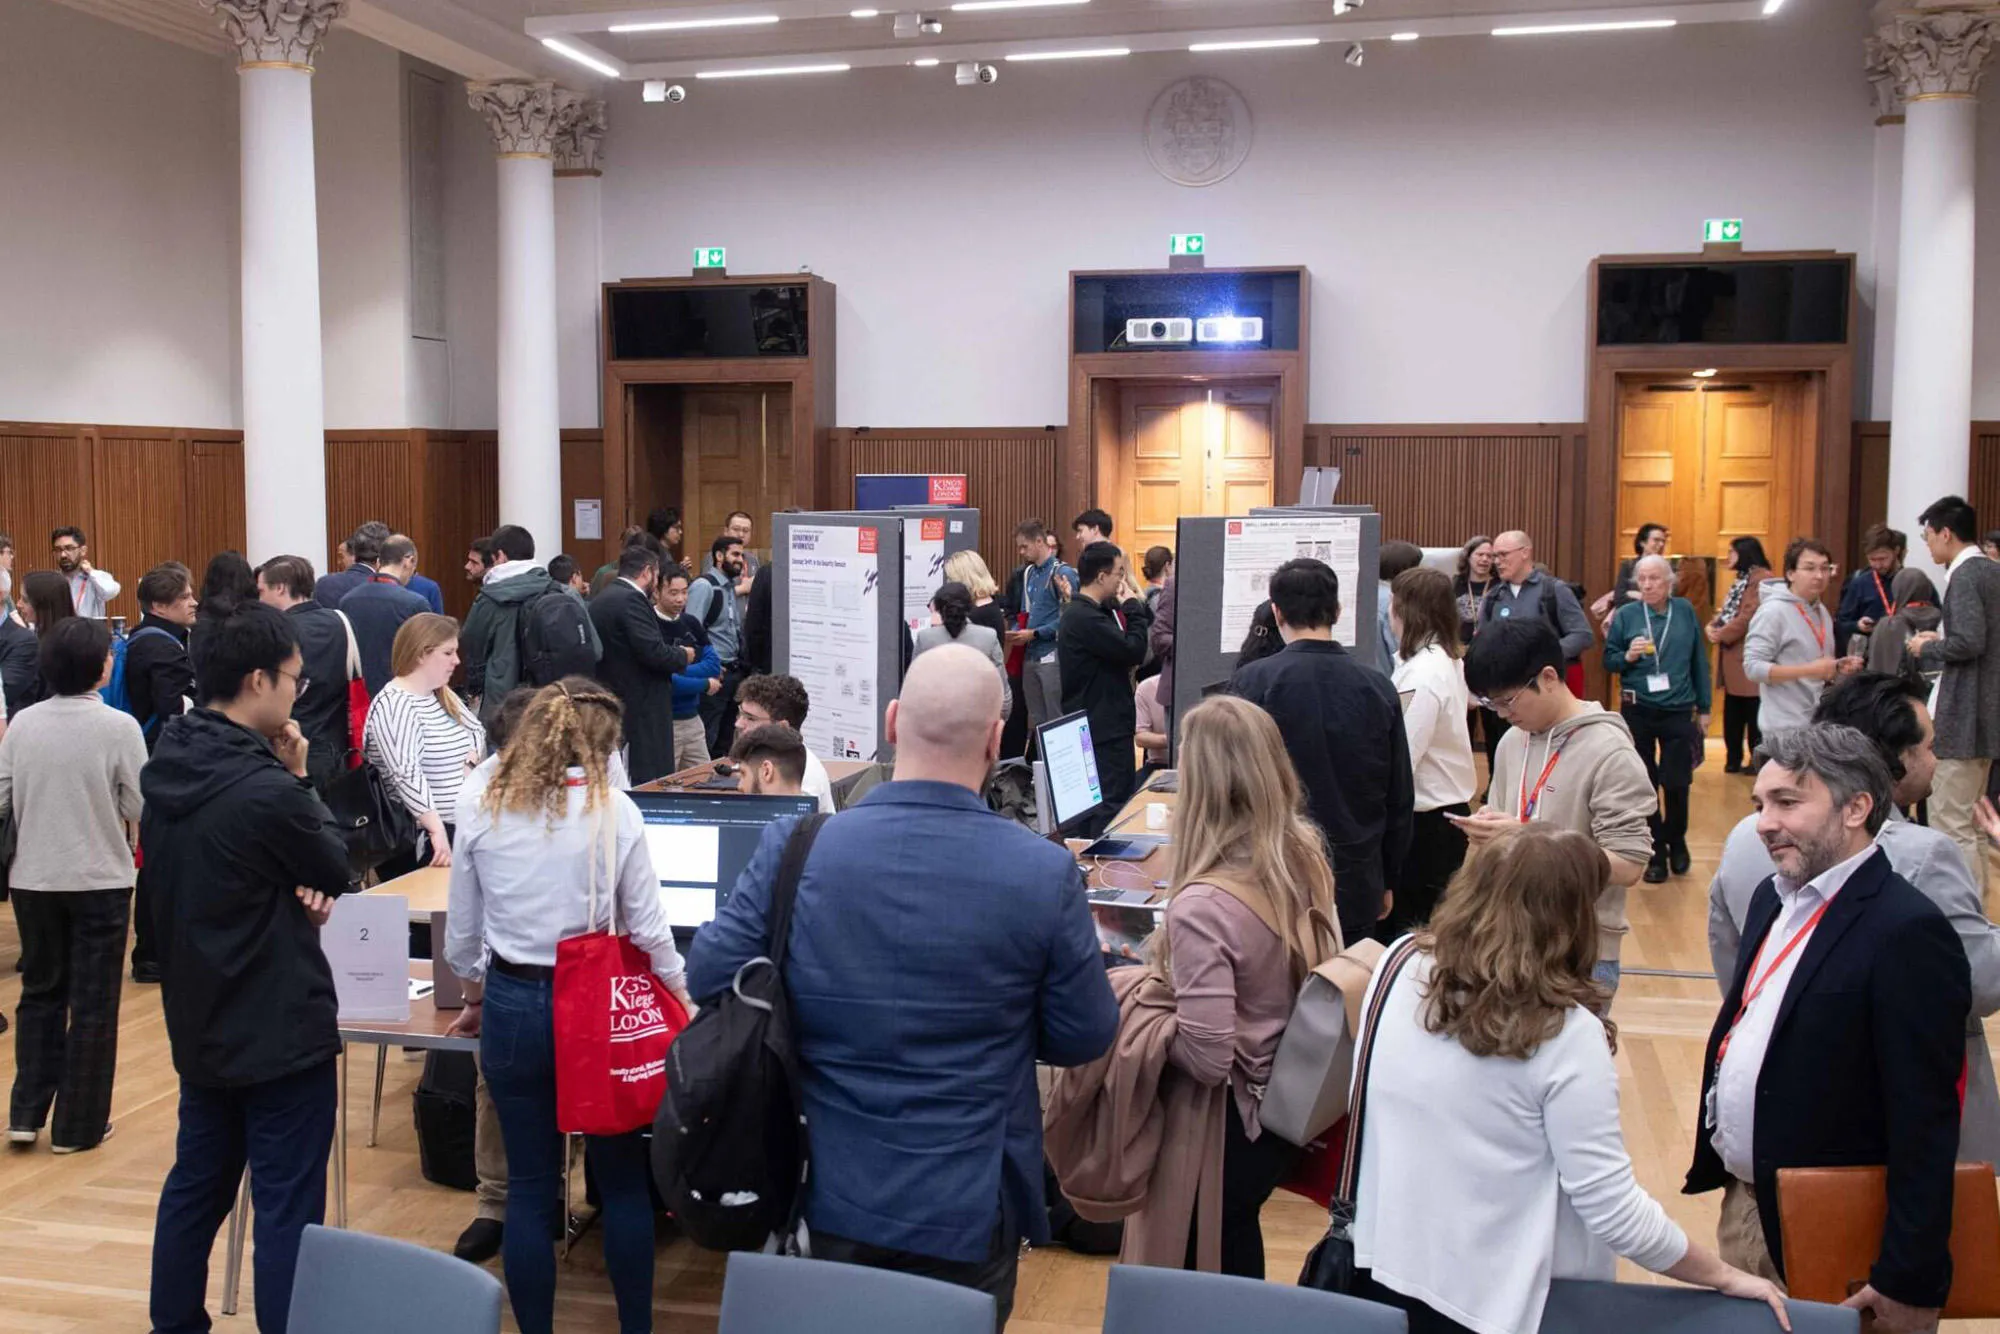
[(1243, 423), (736, 454), (1712, 464), (1163, 430)]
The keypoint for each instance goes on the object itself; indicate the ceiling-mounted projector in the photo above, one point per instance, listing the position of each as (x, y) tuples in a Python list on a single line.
[(1174, 330), (1229, 329)]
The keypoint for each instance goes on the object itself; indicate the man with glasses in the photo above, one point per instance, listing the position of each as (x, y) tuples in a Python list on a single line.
[(1565, 762), (1520, 591), (1790, 650), (90, 588)]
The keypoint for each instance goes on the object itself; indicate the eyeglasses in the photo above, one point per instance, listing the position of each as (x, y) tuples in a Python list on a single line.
[(1499, 552), (1501, 704), (299, 682)]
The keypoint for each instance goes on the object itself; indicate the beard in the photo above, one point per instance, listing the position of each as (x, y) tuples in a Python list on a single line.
[(1812, 855)]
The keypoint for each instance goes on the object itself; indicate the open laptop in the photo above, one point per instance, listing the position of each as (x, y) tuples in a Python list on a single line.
[(701, 841)]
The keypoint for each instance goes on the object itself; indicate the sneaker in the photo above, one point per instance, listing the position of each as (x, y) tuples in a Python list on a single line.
[(480, 1242), (81, 1148), (22, 1135)]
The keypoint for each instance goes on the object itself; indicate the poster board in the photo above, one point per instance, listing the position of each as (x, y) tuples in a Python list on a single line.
[(889, 490), (836, 623), (930, 534)]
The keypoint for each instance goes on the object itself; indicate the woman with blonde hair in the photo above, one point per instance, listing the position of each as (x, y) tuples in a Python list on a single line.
[(547, 837), (1249, 913), (420, 737), (1491, 1158)]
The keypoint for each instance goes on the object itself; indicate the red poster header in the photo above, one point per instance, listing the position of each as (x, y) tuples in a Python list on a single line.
[(948, 490), (932, 530), (867, 537)]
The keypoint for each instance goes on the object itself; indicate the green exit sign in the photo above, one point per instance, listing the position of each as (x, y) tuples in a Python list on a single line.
[(711, 257), (1187, 243), (1727, 230)]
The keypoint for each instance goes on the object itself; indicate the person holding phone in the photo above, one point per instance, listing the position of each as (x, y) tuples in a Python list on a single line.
[(1790, 650), (1655, 646)]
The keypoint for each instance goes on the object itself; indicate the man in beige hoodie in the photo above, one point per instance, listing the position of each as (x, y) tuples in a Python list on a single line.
[(1565, 761)]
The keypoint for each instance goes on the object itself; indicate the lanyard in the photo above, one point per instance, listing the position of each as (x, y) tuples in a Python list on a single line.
[(1665, 629), (1888, 607), (1812, 622), (1530, 800), (1755, 986)]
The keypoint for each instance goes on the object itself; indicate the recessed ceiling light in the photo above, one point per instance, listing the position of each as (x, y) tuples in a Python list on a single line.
[(592, 62), (1772, 6), (974, 6), (1092, 53), (1545, 29), (1404, 36), (1265, 44), (864, 13), (928, 62), (682, 25), (1708, 374), (770, 70)]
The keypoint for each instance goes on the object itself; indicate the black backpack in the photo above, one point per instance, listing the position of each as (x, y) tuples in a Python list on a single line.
[(447, 1119), (555, 639), (731, 1154)]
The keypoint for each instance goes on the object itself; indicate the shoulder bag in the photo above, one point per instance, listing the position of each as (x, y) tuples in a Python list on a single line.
[(1330, 1265), (357, 695)]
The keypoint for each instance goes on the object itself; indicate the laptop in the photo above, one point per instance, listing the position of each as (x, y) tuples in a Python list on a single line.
[(702, 840)]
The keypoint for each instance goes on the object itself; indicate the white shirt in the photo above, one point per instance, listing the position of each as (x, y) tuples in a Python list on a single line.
[(89, 593), (1434, 720), (817, 784), (1483, 1177), (1736, 1081)]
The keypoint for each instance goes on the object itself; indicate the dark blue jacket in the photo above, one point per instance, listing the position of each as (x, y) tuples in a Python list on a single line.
[(427, 589), (331, 588), (1861, 598), (938, 951), (691, 686), (377, 610)]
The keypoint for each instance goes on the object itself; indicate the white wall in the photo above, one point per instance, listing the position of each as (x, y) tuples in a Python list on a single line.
[(118, 265), (1986, 246), (472, 266), (1448, 198)]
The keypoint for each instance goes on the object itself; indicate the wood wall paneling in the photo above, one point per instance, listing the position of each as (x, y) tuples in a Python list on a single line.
[(1010, 474), (583, 479), (461, 503), (442, 488), (1984, 488)]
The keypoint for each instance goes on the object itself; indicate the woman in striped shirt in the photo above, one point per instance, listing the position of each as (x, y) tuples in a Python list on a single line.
[(420, 737)]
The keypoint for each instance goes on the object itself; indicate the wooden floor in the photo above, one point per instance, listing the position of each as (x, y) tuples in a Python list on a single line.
[(75, 1232)]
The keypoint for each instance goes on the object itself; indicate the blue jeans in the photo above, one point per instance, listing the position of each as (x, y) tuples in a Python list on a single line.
[(517, 1053), (1606, 971), (283, 1130)]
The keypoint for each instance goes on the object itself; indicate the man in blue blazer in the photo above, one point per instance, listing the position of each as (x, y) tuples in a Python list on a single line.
[(1842, 1040), (937, 952)]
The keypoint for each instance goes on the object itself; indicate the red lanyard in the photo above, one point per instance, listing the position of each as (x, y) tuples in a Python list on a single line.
[(1530, 800), (1888, 607), (1755, 986), (1812, 621)]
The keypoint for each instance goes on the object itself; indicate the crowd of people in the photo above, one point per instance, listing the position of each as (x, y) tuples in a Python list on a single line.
[(173, 782)]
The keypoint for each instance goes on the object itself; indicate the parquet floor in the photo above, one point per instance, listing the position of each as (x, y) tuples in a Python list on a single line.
[(75, 1233)]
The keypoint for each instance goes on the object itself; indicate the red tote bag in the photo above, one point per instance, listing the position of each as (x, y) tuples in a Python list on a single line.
[(357, 696), (613, 1019)]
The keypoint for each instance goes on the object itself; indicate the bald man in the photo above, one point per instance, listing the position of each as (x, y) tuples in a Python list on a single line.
[(937, 952)]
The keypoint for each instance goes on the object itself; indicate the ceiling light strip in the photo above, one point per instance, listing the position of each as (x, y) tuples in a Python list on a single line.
[(1264, 44), (588, 61), (770, 71), (1092, 53), (689, 25), (978, 6), (1549, 29)]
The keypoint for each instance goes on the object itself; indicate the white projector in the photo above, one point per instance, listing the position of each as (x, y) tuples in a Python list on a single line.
[(1175, 330), (1229, 329)]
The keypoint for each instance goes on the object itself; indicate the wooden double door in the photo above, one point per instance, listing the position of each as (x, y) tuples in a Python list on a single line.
[(1191, 448), (736, 454)]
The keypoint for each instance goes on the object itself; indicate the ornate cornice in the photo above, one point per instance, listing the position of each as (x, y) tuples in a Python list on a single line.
[(276, 33), (1935, 53), (1881, 81), (524, 115), (580, 139)]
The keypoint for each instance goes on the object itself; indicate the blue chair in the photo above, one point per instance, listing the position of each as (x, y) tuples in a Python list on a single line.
[(1174, 1301), (352, 1283), (1579, 1307), (774, 1294)]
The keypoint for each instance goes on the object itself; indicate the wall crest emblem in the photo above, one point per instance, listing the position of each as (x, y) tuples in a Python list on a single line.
[(1198, 131)]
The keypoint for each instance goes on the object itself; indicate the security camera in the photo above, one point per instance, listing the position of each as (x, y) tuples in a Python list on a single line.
[(1355, 55), (971, 72), (913, 24), (1341, 7), (930, 27), (677, 94)]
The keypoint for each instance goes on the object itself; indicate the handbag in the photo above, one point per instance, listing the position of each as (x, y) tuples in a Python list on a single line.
[(357, 696), (1330, 1264), (371, 819), (1312, 1072), (1831, 1219), (613, 1019)]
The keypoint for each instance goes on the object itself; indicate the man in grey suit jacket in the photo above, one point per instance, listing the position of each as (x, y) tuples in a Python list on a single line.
[(1890, 711), (1966, 648)]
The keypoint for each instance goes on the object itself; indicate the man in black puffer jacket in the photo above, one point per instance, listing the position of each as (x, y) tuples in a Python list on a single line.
[(242, 864)]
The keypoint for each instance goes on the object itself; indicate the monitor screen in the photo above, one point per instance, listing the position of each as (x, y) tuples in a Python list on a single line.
[(1074, 789), (702, 841)]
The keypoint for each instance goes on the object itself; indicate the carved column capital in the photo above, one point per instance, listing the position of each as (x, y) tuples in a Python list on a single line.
[(1881, 81), (276, 32), (580, 140), (524, 115), (1935, 53)]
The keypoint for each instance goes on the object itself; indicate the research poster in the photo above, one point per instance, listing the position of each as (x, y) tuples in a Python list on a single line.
[(1252, 549), (923, 569), (836, 579)]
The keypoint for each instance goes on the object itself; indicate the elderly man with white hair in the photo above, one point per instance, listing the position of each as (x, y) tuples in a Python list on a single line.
[(1655, 645)]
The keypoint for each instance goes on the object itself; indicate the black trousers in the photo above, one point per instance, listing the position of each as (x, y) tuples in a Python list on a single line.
[(1423, 1320), (1117, 776), (1491, 728), (993, 1276), (66, 1028), (718, 711), (1666, 739), (145, 931), (1014, 736), (1437, 850), (1251, 1171), (1739, 717)]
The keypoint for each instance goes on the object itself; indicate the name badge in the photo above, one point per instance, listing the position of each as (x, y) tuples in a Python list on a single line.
[(1658, 683), (1708, 1106), (1506, 611)]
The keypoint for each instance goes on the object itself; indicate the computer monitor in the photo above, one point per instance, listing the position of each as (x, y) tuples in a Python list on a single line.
[(1071, 766), (701, 841)]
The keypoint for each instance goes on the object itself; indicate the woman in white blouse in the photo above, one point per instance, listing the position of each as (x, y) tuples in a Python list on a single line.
[(1491, 1158), (419, 735), (531, 838), (1423, 615)]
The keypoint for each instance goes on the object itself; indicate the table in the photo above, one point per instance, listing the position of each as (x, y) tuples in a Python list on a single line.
[(428, 889), (1120, 929)]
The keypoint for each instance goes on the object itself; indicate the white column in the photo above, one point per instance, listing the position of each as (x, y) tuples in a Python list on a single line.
[(524, 117), (284, 412), (1880, 274), (1937, 58), (579, 266)]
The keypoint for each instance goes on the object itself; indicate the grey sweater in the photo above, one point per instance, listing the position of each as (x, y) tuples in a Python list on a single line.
[(69, 774), (1786, 633)]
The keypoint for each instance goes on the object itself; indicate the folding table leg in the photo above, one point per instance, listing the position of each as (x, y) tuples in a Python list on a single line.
[(239, 1226), (375, 1112)]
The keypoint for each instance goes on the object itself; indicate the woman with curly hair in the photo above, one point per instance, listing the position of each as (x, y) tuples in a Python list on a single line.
[(548, 836), (1491, 1158)]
